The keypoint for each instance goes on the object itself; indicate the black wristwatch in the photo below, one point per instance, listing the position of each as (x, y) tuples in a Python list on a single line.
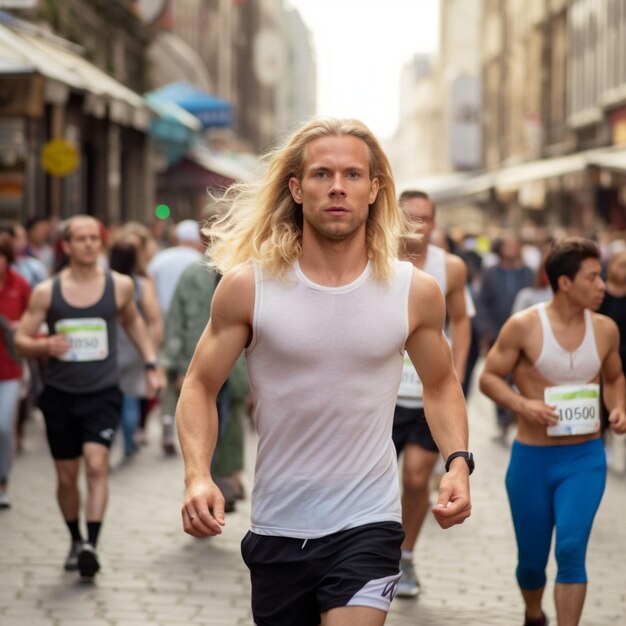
[(150, 365), (468, 456)]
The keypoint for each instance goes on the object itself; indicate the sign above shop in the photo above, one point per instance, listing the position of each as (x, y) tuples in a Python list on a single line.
[(59, 157)]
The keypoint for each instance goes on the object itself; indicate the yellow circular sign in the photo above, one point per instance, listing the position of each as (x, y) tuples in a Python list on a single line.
[(59, 157)]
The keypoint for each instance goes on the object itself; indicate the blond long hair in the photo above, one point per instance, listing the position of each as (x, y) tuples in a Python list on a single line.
[(263, 223)]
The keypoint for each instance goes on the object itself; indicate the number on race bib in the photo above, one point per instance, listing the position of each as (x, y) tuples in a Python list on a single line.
[(578, 407), (88, 338)]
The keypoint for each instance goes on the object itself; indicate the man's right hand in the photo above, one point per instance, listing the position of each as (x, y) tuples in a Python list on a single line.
[(203, 509), (538, 412), (56, 345)]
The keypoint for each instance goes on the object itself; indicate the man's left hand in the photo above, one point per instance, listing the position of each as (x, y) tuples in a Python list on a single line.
[(617, 420), (453, 505)]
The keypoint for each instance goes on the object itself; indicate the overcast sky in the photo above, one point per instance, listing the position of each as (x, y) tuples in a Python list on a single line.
[(361, 46)]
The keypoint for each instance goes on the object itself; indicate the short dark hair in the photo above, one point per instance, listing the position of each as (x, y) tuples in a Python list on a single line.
[(411, 194), (33, 221), (566, 257), (6, 248)]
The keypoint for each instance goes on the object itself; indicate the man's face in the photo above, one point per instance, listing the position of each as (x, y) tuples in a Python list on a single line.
[(39, 233), (510, 251), (335, 191), (84, 243), (587, 288), (420, 211)]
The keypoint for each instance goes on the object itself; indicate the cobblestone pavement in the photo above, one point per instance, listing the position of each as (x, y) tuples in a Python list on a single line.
[(153, 574)]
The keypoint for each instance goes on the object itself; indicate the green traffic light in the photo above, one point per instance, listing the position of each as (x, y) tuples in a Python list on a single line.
[(162, 211)]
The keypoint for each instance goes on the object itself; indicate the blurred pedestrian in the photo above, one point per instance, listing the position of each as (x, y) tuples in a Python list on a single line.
[(168, 264), (14, 294), (558, 353), (411, 434), (499, 286), (38, 232), (81, 401), (186, 320), (539, 291), (140, 237), (166, 268), (123, 259), (313, 292)]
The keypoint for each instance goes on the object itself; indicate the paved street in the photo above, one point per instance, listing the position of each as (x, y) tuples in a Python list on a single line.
[(155, 575)]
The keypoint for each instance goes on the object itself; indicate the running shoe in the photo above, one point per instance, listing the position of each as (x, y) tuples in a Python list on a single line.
[(5, 502), (541, 621), (408, 584), (88, 564), (71, 563)]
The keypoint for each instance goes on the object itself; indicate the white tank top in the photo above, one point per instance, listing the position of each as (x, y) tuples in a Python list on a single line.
[(324, 367), (560, 366), (435, 266)]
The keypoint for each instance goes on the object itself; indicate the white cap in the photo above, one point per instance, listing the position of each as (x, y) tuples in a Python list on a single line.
[(188, 230)]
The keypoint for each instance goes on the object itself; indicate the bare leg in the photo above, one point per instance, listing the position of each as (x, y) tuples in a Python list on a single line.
[(351, 615), (532, 599), (418, 465), (569, 600), (68, 495), (97, 470)]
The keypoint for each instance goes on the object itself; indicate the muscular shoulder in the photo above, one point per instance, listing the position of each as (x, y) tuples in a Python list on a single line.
[(456, 270), (520, 327), (41, 295), (234, 297), (605, 327)]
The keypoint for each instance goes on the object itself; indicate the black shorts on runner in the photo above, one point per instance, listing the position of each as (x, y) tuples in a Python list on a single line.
[(410, 426), (73, 419), (295, 580)]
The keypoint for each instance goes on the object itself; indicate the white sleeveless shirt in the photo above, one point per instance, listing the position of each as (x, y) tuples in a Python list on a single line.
[(324, 366), (560, 366)]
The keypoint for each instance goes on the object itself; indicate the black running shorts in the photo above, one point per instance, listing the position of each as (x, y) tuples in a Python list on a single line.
[(294, 580), (410, 426), (73, 419)]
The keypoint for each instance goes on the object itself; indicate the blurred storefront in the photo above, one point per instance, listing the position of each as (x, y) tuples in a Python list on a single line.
[(552, 117), (49, 91)]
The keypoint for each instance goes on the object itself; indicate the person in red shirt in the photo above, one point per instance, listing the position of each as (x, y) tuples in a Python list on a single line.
[(14, 293)]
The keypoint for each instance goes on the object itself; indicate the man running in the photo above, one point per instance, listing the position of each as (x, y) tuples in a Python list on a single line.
[(558, 353), (81, 402), (314, 294), (411, 434)]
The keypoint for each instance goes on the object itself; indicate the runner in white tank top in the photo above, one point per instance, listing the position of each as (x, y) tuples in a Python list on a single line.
[(558, 354), (324, 313), (411, 434)]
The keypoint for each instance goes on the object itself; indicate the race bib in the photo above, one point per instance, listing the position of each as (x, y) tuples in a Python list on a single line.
[(87, 336), (578, 407), (410, 383)]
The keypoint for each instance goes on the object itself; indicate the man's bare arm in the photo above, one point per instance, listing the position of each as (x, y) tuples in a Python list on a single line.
[(444, 404), (500, 362), (222, 341), (27, 342)]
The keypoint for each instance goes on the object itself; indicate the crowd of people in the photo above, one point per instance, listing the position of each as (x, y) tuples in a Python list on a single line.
[(356, 325)]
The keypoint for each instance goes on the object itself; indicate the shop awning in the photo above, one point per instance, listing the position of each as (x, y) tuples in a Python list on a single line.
[(23, 46), (210, 110), (448, 187), (611, 159), (236, 168)]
